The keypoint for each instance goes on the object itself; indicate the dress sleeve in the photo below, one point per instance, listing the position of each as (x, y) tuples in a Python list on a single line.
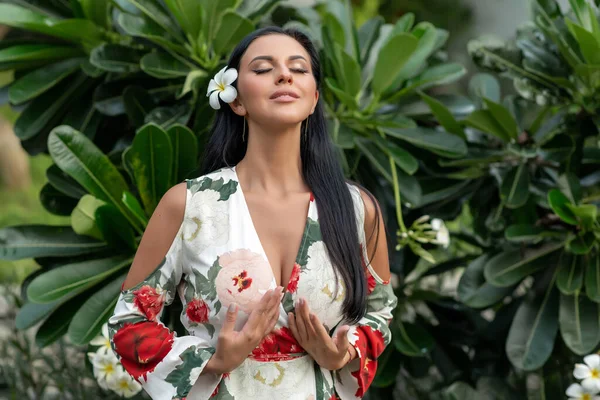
[(371, 334), (165, 365)]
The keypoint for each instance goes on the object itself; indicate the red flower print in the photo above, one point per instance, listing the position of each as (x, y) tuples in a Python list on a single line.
[(365, 375), (334, 397), (277, 346), (149, 300), (197, 311), (294, 278), (242, 281), (371, 282), (369, 344), (216, 391), (142, 346), (312, 196)]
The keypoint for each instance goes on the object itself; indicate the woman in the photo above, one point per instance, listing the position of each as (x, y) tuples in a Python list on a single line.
[(267, 250)]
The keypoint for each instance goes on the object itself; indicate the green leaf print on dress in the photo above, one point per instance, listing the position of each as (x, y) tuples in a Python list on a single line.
[(225, 189), (184, 374)]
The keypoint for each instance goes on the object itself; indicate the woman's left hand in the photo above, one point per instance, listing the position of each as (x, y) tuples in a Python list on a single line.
[(331, 354)]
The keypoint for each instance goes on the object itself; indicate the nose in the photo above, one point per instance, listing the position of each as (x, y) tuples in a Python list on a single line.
[(285, 77)]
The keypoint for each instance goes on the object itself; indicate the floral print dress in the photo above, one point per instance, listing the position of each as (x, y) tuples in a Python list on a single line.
[(215, 259)]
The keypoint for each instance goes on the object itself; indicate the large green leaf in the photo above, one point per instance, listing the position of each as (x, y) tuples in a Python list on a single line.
[(367, 35), (40, 80), (484, 121), (514, 191), (151, 158), (72, 279), (232, 29), (474, 291), (185, 152), (97, 11), (588, 43), (438, 142), (503, 118), (531, 337), (140, 26), (569, 184), (30, 241), (523, 233), (411, 339), (88, 321), (83, 161), (592, 277), (510, 267), (389, 364), (582, 243), (427, 36), (163, 66), (570, 273), (132, 203), (188, 14), (116, 58), (83, 218), (138, 104), (43, 112), (33, 55), (579, 320), (157, 14), (483, 85), (55, 201), (57, 322), (342, 95), (558, 202), (444, 116), (64, 183), (436, 75), (349, 71), (115, 229), (32, 313), (211, 18), (392, 57), (401, 157)]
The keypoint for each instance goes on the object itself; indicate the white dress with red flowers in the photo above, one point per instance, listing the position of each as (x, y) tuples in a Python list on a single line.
[(215, 259)]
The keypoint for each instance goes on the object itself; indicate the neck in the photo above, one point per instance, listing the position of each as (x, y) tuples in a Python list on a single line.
[(272, 162)]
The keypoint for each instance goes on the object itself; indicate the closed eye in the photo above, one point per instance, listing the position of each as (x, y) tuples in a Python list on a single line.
[(298, 70)]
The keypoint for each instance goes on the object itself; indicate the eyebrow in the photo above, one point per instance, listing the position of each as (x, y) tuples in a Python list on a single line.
[(270, 58)]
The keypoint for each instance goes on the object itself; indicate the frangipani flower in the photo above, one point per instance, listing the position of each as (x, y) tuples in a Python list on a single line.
[(578, 392), (124, 385), (220, 86), (443, 236), (103, 341), (589, 372), (106, 366)]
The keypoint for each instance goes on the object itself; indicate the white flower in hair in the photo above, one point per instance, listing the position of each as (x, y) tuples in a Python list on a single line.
[(220, 86)]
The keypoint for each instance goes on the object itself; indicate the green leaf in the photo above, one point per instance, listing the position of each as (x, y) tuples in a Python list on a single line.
[(116, 58), (411, 339), (558, 149), (570, 273), (55, 201), (29, 241), (402, 158), (115, 229), (33, 55), (484, 121), (64, 183), (188, 14), (586, 213), (83, 161), (474, 291), (134, 206), (233, 28), (441, 143), (582, 243), (72, 279), (138, 104), (503, 118), (185, 152), (87, 322), (57, 323), (588, 44), (569, 184), (367, 35), (350, 72), (592, 277), (510, 267), (83, 218), (157, 14), (32, 313), (427, 35), (558, 202), (150, 157), (211, 17), (523, 233), (392, 57), (533, 331), (582, 12), (163, 66), (460, 391), (146, 28), (342, 96), (97, 11), (39, 81), (444, 116), (389, 364), (579, 320), (436, 75), (514, 191), (484, 85)]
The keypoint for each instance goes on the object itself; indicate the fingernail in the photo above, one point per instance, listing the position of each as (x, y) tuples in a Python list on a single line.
[(232, 307)]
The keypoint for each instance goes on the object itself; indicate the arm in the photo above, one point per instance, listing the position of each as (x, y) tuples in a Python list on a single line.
[(167, 366), (371, 334)]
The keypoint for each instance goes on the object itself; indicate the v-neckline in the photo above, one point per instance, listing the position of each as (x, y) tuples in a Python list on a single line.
[(248, 215)]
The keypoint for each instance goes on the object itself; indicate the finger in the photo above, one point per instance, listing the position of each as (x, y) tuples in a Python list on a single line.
[(305, 312), (319, 328), (294, 327), (341, 339), (230, 318)]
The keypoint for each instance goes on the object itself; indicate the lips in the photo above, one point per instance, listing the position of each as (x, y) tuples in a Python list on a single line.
[(284, 93)]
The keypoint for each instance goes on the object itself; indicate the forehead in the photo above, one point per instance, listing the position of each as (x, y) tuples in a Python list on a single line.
[(276, 45)]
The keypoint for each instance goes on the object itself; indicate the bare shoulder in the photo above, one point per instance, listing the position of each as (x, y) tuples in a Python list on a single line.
[(159, 234), (375, 235)]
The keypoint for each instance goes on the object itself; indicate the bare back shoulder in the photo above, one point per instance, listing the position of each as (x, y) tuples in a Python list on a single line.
[(375, 236)]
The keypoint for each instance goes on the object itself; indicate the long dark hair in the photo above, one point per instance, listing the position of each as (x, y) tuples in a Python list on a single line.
[(322, 173)]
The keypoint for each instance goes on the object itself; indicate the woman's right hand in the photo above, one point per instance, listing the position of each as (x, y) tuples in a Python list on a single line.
[(232, 346)]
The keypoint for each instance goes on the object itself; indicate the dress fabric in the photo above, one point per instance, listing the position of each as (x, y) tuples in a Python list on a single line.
[(217, 258)]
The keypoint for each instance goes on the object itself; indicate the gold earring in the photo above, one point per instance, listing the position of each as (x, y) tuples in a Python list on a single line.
[(244, 131)]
